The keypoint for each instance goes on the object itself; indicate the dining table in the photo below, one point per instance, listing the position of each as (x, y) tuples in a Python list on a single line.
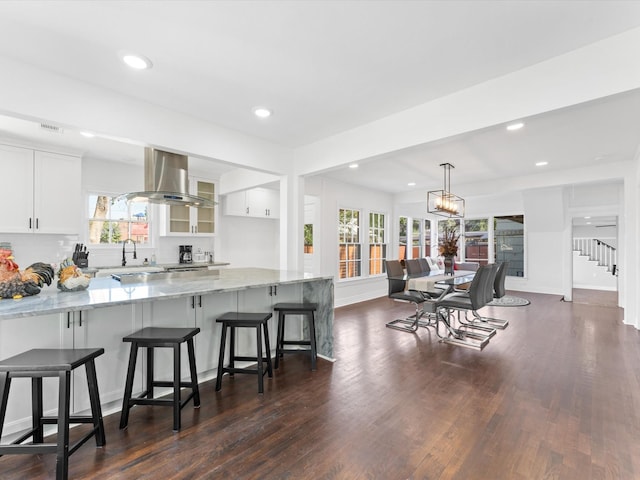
[(427, 281)]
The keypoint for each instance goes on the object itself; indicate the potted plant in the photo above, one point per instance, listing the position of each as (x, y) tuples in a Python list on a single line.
[(448, 247)]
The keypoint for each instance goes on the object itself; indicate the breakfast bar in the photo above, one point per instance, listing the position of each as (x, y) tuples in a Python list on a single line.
[(109, 310)]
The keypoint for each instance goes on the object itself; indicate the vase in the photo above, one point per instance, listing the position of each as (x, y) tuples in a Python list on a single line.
[(448, 265)]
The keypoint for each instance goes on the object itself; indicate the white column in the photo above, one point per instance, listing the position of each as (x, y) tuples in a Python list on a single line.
[(291, 223), (628, 259)]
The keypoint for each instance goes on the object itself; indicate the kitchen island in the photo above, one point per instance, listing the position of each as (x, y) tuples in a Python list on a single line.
[(109, 310)]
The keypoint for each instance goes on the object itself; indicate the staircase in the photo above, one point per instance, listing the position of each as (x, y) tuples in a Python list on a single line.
[(597, 251)]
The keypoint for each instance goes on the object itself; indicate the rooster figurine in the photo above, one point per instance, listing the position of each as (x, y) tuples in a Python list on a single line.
[(71, 278), (16, 284)]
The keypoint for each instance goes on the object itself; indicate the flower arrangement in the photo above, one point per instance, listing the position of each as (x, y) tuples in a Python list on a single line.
[(448, 242)]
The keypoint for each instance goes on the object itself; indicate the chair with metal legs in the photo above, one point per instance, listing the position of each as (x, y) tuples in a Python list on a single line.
[(495, 289), (397, 291), (452, 305)]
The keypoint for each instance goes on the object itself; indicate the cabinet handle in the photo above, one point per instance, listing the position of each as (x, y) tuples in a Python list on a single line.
[(270, 290), (247, 210), (68, 319), (193, 302), (200, 301), (30, 220), (275, 290), (80, 317), (37, 223)]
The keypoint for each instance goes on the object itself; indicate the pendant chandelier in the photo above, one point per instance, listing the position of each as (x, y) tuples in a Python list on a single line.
[(443, 202)]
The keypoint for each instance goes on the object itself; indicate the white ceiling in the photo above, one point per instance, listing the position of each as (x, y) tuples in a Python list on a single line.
[(328, 66)]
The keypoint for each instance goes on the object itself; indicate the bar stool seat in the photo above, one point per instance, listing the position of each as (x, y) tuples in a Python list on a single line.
[(37, 364), (152, 337), (308, 311), (231, 321)]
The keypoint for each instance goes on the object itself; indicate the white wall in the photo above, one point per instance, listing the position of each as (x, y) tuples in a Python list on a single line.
[(333, 196), (249, 242)]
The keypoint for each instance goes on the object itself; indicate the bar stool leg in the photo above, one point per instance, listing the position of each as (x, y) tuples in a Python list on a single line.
[(223, 343), (94, 398), (194, 375), (279, 338), (268, 353), (37, 410), (128, 388), (312, 340), (150, 372), (232, 350), (62, 460), (260, 369), (5, 383), (176, 387)]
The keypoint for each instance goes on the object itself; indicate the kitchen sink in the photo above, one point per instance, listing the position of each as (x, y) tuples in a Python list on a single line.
[(106, 272), (146, 276)]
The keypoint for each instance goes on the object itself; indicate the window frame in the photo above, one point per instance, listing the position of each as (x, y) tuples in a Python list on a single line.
[(380, 228), (357, 246), (89, 204)]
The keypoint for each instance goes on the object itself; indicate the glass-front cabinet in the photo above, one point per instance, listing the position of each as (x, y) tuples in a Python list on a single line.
[(200, 221)]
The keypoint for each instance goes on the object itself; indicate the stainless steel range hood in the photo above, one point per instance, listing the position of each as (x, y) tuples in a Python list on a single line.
[(166, 181)]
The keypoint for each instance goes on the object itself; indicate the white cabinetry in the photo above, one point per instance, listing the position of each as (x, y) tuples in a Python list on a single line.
[(193, 221), (101, 327), (256, 202), (41, 192)]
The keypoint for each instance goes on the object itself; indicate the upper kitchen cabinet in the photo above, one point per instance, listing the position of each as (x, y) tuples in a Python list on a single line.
[(255, 202), (41, 192), (192, 221)]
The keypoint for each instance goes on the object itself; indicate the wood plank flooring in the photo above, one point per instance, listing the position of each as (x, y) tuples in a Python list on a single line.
[(554, 396)]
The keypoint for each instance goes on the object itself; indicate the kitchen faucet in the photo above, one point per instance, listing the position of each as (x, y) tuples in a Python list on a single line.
[(124, 244)]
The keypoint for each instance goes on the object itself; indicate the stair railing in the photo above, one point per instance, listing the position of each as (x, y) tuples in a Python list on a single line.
[(598, 251)]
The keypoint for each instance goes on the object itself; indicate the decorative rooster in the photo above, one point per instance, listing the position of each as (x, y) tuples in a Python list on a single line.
[(71, 278), (17, 284)]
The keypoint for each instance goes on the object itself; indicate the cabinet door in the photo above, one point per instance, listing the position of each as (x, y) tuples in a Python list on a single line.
[(263, 202), (18, 335), (16, 194), (179, 219), (236, 204), (57, 193), (103, 327), (204, 217), (192, 221), (209, 308)]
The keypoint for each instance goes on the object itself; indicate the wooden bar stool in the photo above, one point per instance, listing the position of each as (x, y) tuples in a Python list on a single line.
[(37, 364), (233, 320), (306, 309), (151, 338)]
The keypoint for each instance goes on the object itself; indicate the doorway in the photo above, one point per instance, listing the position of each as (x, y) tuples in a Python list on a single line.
[(595, 260)]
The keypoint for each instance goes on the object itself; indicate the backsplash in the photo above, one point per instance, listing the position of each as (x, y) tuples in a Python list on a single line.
[(31, 248)]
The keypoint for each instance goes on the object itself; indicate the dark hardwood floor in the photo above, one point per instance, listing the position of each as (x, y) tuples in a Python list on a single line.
[(554, 396)]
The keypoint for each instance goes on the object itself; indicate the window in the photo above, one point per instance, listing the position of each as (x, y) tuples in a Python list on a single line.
[(476, 241), (308, 238), (427, 238), (377, 245), (349, 243), (113, 223), (509, 243), (402, 238), (416, 238), (451, 223)]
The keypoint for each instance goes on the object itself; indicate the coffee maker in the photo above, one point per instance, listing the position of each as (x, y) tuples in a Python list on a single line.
[(186, 255)]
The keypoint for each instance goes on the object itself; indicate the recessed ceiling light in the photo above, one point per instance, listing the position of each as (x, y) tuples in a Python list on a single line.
[(588, 223), (88, 134), (138, 62), (411, 184), (541, 164), (261, 112), (515, 126), (353, 165), (587, 218)]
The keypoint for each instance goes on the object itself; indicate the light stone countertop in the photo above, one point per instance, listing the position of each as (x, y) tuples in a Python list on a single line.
[(106, 292)]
